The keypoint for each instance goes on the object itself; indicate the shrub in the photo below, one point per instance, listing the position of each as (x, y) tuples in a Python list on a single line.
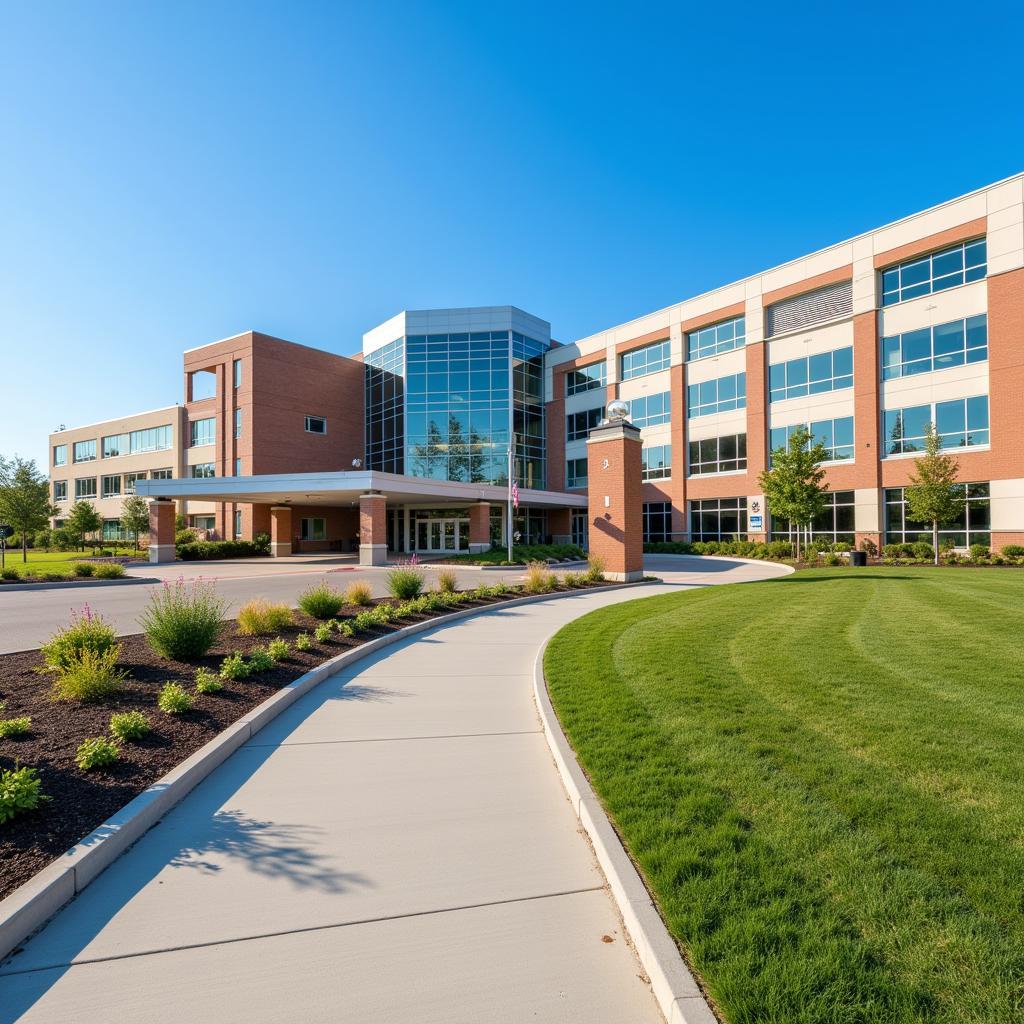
[(574, 579), (260, 660), (278, 649), (90, 676), (87, 632), (82, 568), (979, 552), (207, 682), (321, 601), (892, 550), (869, 547), (303, 642), (924, 551), (234, 666), (405, 582), (833, 559), (11, 728), (20, 790), (539, 578), (447, 581), (1014, 550), (174, 699), (97, 753), (183, 621), (261, 542), (259, 617), (345, 629), (10, 574), (186, 536), (322, 633), (205, 550), (109, 571), (359, 593), (130, 725), (595, 574)]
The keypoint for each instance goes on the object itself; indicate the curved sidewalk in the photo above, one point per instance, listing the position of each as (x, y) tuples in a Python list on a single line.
[(396, 846)]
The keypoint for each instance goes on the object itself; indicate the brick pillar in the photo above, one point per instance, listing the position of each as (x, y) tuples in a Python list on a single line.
[(280, 530), (161, 530), (560, 525), (480, 527), (615, 499), (373, 547)]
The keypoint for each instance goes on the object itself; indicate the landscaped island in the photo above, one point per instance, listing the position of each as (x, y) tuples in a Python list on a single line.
[(820, 778)]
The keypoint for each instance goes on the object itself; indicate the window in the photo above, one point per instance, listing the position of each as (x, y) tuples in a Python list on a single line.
[(111, 486), (201, 471), (935, 348), (656, 462), (811, 375), (84, 451), (817, 307), (60, 454), (836, 435), (112, 530), (204, 522), (946, 269), (586, 378), (238, 467), (718, 519), (238, 523), (60, 490), (580, 533), (834, 524), (85, 487), (152, 439), (972, 526), (162, 474), (657, 521), (721, 395), (723, 337), (579, 424), (236, 369), (314, 528), (238, 423), (576, 473), (130, 478), (116, 444), (203, 431), (648, 359), (650, 410), (961, 423), (316, 425), (718, 454)]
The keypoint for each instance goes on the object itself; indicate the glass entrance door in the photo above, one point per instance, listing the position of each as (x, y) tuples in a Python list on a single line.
[(442, 535)]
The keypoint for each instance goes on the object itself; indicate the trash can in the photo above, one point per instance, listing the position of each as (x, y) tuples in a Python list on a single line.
[(858, 558)]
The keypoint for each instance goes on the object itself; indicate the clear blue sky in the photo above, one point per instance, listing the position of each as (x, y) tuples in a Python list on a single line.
[(174, 173)]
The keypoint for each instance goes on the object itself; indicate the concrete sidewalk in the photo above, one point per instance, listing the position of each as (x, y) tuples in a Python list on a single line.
[(397, 846)]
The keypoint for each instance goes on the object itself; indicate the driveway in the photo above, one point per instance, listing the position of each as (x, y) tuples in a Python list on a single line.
[(396, 846)]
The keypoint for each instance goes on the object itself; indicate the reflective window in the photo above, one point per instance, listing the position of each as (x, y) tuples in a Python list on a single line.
[(648, 359), (203, 431), (315, 425), (586, 378), (935, 348), (60, 454), (972, 526), (112, 530), (578, 425), (162, 474), (650, 410), (722, 395), (580, 531), (238, 423), (238, 523), (85, 487), (152, 439), (961, 423), (84, 451), (836, 435), (576, 473), (718, 519), (657, 521), (725, 454), (60, 490), (384, 390), (130, 478), (201, 471), (237, 372), (117, 444), (934, 273), (834, 524), (710, 341), (656, 462), (111, 486), (811, 375)]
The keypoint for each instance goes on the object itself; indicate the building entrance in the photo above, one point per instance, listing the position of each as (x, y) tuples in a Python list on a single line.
[(434, 535)]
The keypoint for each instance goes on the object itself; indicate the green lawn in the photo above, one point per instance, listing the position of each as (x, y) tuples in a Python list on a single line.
[(55, 561), (821, 778)]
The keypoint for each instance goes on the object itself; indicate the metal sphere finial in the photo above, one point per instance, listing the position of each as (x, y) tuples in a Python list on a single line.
[(618, 411)]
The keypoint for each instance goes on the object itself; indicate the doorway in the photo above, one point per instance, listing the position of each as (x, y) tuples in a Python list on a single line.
[(442, 535)]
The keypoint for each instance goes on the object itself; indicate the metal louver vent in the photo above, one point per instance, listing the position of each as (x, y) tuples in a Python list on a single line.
[(810, 308)]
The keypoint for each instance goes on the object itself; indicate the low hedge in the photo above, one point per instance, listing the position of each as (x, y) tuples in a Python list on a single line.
[(204, 550), (739, 548)]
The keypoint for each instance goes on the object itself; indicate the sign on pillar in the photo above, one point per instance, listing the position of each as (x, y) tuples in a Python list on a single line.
[(615, 495), (757, 518)]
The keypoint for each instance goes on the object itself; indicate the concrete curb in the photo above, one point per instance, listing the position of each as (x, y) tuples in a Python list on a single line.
[(678, 995), (31, 905)]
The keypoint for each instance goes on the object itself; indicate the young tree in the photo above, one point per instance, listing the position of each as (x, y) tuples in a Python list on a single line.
[(793, 485), (135, 517), (932, 496), (83, 520), (24, 498)]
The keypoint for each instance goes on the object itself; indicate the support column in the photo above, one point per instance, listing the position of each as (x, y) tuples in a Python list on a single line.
[(480, 527), (373, 546), (161, 530), (560, 525), (280, 530), (615, 499)]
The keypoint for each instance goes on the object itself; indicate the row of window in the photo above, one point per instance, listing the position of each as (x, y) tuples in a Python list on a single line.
[(835, 434), (655, 463), (135, 442), (108, 486), (811, 375)]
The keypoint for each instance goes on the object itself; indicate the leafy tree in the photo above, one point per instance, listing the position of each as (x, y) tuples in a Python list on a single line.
[(83, 520), (932, 496), (135, 517), (793, 486), (24, 498)]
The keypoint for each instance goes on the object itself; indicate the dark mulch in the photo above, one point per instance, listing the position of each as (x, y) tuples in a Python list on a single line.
[(81, 801)]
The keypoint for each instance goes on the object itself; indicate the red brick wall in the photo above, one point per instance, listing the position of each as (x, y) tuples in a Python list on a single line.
[(616, 532)]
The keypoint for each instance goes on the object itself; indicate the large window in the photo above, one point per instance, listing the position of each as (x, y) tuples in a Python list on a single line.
[(116, 444), (718, 519), (656, 462), (152, 439), (203, 431), (961, 423), (579, 424), (314, 528), (201, 471), (710, 341), (111, 486), (834, 524), (586, 378), (60, 454), (811, 375), (935, 348), (722, 395), (85, 487), (162, 474), (725, 454), (85, 451), (657, 521), (650, 410), (60, 490), (576, 473), (130, 478), (112, 530), (836, 435), (972, 526), (934, 273), (648, 359), (316, 425)]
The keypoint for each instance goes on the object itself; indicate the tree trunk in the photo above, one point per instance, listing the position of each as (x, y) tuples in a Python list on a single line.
[(24, 546), (935, 539)]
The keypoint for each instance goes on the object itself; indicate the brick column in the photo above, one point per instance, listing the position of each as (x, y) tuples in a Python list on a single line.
[(161, 530), (280, 530), (373, 547), (560, 525), (480, 527), (615, 499)]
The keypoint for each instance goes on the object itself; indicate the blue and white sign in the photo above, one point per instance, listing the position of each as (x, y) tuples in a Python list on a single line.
[(756, 523)]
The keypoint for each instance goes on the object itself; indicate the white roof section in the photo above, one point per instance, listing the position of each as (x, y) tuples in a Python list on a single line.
[(457, 321)]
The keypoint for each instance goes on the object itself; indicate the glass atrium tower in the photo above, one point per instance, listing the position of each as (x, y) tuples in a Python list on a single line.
[(446, 389)]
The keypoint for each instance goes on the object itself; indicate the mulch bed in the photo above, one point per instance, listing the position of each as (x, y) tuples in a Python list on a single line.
[(81, 801)]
